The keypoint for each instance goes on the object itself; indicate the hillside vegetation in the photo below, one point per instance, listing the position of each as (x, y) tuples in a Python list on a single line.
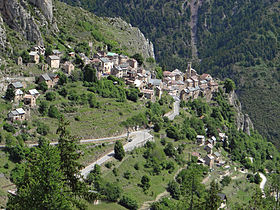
[(237, 39)]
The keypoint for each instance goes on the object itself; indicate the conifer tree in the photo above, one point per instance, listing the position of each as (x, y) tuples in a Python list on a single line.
[(119, 151), (40, 182), (69, 155)]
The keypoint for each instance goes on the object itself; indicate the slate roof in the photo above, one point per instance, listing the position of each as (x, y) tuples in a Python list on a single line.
[(105, 60), (17, 85), (46, 77), (33, 92), (155, 82), (54, 57)]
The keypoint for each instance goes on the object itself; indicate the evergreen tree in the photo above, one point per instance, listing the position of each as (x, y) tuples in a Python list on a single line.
[(90, 74), (145, 182), (40, 182), (213, 201), (10, 94), (67, 146), (119, 151)]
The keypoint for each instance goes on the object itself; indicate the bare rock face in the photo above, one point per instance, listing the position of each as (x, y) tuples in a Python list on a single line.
[(243, 122), (15, 13), (3, 37), (45, 6), (139, 41)]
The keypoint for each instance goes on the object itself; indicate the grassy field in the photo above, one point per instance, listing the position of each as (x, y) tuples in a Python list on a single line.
[(93, 122), (131, 186)]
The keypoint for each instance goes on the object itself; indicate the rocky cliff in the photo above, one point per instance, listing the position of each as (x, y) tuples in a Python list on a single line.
[(16, 15), (136, 38), (243, 121), (45, 6), (3, 37)]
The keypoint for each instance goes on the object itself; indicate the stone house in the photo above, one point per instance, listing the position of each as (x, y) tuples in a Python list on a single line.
[(217, 156), (209, 160), (17, 115), (18, 95), (106, 65), (16, 85), (39, 49), (158, 92), (29, 100), (208, 148), (34, 93), (148, 94), (123, 59), (195, 81), (178, 75), (214, 86), (53, 61), (34, 57), (68, 67), (133, 63), (57, 53), (50, 79), (155, 83), (200, 139), (206, 77)]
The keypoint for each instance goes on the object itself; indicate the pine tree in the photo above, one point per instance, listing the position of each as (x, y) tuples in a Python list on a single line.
[(119, 151), (213, 201), (39, 182), (67, 146)]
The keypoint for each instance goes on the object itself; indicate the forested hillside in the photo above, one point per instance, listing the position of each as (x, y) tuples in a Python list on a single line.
[(237, 39)]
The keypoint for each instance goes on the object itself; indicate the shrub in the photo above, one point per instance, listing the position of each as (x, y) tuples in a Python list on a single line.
[(51, 96), (43, 129), (226, 181), (129, 203), (43, 107), (109, 165), (9, 128), (54, 112), (127, 175)]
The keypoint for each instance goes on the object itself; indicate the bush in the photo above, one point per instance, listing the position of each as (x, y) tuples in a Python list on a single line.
[(51, 96), (136, 166), (9, 128), (42, 86), (43, 107), (43, 129), (108, 165), (54, 112), (226, 181), (174, 189), (127, 175), (129, 203)]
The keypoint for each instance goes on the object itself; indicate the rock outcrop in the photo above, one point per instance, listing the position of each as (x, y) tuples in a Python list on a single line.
[(45, 6), (139, 41), (3, 37), (15, 13), (243, 122)]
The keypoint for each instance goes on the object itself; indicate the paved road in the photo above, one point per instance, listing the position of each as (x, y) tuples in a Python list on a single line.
[(262, 184), (139, 138), (176, 108), (88, 140)]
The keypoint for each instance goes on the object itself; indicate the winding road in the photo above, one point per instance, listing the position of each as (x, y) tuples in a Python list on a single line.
[(263, 182), (139, 138), (176, 108)]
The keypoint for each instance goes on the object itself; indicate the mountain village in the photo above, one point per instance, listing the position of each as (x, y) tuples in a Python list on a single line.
[(181, 86)]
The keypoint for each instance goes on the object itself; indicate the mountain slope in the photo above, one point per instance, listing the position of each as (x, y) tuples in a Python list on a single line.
[(237, 39)]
